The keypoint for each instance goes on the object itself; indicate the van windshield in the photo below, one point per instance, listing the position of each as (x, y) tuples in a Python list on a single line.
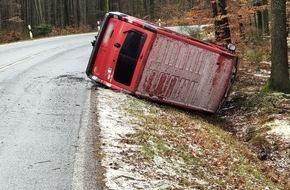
[(128, 57)]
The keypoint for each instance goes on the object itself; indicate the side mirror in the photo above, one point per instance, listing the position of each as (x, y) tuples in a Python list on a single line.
[(93, 43)]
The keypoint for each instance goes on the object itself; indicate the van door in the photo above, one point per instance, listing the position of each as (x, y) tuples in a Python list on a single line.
[(128, 56), (122, 53), (131, 47), (106, 54)]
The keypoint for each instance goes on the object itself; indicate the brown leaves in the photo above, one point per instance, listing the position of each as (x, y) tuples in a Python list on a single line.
[(189, 147)]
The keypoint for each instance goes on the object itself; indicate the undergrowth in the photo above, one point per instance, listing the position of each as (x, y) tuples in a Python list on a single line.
[(184, 147), (13, 36), (258, 102)]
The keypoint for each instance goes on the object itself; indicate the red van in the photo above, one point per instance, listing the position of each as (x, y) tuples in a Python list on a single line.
[(138, 57)]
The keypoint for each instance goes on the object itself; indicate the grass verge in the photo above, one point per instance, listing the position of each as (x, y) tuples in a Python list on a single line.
[(182, 147)]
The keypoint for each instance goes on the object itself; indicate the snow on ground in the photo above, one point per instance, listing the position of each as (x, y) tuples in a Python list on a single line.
[(116, 156), (113, 123), (280, 128)]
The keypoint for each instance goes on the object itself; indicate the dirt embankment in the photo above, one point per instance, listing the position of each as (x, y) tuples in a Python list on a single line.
[(151, 146)]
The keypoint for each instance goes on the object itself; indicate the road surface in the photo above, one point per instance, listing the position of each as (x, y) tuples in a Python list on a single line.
[(44, 111)]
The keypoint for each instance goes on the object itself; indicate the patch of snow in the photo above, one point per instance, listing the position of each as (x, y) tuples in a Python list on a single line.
[(280, 127), (114, 126), (261, 75), (112, 122)]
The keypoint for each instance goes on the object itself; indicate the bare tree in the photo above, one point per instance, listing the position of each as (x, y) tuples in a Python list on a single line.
[(222, 30), (265, 18), (279, 79)]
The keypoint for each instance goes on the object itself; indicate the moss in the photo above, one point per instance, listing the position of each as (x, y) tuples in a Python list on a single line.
[(285, 88), (266, 88)]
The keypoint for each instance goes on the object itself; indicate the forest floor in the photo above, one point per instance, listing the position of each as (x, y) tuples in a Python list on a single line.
[(145, 145)]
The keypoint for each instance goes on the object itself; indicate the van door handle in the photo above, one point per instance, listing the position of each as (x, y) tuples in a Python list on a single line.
[(117, 45)]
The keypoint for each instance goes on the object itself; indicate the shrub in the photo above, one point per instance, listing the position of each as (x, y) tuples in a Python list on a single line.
[(42, 30), (257, 55), (192, 31), (11, 36), (254, 56)]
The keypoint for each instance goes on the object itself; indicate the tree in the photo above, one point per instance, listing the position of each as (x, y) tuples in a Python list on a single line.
[(221, 23), (152, 9), (259, 20), (262, 18), (105, 5), (265, 18), (279, 79)]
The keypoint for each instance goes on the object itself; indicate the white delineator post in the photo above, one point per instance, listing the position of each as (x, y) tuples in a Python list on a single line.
[(99, 26), (30, 33)]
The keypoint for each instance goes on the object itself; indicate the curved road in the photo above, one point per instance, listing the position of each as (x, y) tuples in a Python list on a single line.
[(44, 114)]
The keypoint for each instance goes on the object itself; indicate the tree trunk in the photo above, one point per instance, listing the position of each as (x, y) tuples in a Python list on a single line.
[(265, 18), (279, 79), (259, 22), (120, 6), (262, 18), (104, 5), (0, 21), (222, 30), (241, 27), (107, 6), (152, 9), (67, 14), (145, 8)]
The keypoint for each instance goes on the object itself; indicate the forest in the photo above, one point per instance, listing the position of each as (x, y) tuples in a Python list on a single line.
[(16, 15)]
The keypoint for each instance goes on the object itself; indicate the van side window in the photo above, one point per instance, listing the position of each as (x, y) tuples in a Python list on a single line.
[(109, 32), (128, 57)]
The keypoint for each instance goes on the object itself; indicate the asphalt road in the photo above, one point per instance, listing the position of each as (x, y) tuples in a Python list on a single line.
[(44, 115)]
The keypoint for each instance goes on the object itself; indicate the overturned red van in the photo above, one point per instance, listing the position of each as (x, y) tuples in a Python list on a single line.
[(140, 58)]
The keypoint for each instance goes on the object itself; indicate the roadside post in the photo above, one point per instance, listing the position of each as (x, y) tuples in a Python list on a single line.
[(159, 22), (99, 27), (30, 32)]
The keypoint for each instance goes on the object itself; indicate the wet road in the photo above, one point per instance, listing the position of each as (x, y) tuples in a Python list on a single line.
[(44, 97)]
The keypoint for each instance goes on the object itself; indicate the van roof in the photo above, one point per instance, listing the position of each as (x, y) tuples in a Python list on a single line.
[(165, 31)]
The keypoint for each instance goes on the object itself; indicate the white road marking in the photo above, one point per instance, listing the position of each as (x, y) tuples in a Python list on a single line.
[(8, 65), (84, 170)]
